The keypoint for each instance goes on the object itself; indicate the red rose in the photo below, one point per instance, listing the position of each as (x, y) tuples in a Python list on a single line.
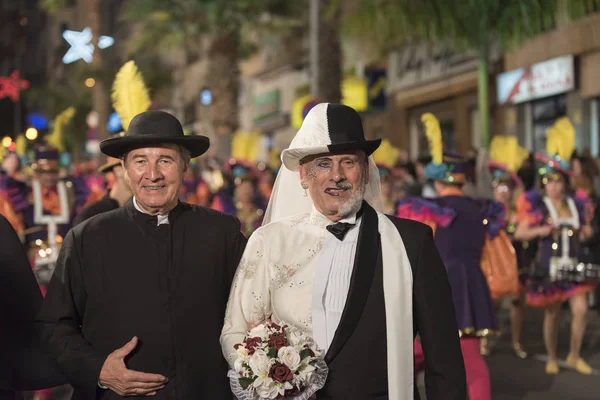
[(251, 344), (278, 341), (275, 326), (281, 373)]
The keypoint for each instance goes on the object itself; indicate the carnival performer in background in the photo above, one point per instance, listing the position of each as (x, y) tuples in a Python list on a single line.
[(266, 181), (194, 189), (462, 228), (557, 221), (12, 191), (386, 157), (13, 184), (240, 195), (117, 194), (48, 218), (506, 157), (247, 210)]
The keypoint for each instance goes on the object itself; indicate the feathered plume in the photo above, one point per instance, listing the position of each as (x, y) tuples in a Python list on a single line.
[(386, 154), (506, 150), (61, 121), (21, 145), (129, 93), (565, 133), (245, 146), (434, 135), (552, 140)]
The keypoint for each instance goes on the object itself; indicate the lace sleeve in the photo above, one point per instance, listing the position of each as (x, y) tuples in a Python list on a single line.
[(249, 299)]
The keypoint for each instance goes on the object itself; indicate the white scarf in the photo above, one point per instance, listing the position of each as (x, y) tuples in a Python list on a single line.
[(398, 291)]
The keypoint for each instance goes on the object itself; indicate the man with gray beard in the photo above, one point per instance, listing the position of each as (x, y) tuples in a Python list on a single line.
[(319, 262)]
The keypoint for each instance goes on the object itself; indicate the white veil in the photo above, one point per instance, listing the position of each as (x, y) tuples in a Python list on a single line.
[(288, 197)]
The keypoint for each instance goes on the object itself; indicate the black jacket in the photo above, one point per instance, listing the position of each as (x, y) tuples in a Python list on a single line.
[(24, 365), (120, 275), (357, 357)]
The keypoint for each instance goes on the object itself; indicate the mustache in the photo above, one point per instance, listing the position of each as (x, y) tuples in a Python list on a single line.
[(345, 185)]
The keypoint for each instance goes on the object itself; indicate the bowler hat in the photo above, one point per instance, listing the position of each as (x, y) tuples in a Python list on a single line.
[(328, 128), (151, 128)]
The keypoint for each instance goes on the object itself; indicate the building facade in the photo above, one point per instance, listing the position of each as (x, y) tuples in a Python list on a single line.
[(552, 75)]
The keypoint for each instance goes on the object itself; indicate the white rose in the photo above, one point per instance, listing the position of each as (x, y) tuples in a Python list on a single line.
[(266, 388), (259, 363), (296, 337), (259, 331), (290, 357), (238, 365)]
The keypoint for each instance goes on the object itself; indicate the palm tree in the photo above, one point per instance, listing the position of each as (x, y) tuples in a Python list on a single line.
[(329, 52), (185, 24)]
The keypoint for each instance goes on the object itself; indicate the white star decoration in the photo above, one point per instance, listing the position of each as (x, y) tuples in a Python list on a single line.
[(81, 46)]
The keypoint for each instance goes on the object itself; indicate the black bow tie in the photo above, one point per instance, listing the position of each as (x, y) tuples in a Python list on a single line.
[(339, 229)]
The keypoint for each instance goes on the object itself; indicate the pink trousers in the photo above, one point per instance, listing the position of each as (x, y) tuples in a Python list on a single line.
[(478, 376)]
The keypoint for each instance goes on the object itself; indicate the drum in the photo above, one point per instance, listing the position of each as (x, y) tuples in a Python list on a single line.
[(580, 272)]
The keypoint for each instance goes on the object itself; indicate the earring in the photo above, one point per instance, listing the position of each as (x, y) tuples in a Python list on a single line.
[(304, 186)]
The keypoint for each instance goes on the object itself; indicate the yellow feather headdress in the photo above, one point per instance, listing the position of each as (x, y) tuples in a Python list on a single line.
[(60, 122), (560, 139), (129, 93), (434, 135), (506, 150), (386, 155)]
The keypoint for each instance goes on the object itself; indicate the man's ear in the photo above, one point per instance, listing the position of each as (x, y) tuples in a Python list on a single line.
[(302, 171)]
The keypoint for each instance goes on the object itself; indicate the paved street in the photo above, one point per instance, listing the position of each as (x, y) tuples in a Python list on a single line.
[(515, 379)]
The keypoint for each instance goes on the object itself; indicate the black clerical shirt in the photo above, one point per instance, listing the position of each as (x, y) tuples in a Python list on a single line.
[(120, 275)]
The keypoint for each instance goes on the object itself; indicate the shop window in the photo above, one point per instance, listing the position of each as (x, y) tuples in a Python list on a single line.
[(545, 113)]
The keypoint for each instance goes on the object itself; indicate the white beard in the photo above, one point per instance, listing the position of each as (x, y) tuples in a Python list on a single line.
[(354, 202)]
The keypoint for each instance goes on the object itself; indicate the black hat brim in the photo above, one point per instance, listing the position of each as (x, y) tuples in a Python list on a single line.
[(117, 147)]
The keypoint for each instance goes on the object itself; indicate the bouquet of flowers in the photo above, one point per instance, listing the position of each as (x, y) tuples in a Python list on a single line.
[(277, 361)]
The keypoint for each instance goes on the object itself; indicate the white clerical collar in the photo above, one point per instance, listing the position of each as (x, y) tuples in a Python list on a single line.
[(162, 219)]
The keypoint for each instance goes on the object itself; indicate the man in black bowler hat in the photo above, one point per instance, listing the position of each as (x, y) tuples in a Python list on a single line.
[(138, 297)]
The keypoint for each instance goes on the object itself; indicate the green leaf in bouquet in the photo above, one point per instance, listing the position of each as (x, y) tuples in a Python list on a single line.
[(272, 352), (246, 382), (305, 353)]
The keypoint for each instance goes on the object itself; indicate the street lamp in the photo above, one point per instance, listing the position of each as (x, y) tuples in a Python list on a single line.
[(6, 141), (31, 133)]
